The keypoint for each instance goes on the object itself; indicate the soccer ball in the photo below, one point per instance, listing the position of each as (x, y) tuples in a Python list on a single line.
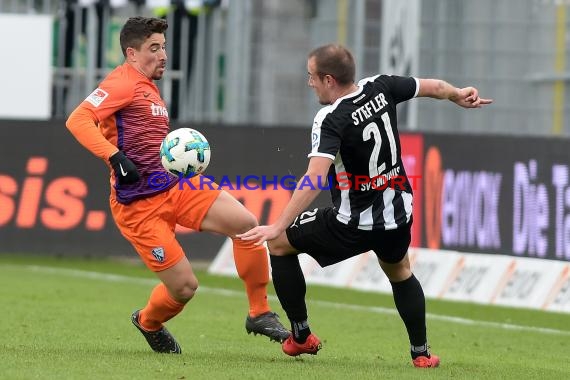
[(185, 152)]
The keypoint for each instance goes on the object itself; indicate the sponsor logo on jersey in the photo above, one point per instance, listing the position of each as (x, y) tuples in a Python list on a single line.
[(158, 110), (97, 97)]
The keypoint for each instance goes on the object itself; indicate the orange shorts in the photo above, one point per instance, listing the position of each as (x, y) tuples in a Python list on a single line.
[(149, 223)]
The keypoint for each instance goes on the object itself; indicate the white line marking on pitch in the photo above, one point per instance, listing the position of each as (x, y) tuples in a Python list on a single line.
[(226, 292)]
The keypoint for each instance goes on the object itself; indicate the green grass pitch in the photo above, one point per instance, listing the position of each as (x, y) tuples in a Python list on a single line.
[(70, 319)]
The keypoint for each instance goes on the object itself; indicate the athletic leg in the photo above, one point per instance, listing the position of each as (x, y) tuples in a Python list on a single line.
[(148, 225), (410, 303), (289, 280), (229, 217)]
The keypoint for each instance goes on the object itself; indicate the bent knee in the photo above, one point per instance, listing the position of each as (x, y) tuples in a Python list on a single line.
[(280, 248), (396, 272), (185, 291), (247, 222)]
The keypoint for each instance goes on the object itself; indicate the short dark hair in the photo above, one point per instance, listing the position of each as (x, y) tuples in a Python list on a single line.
[(137, 29), (336, 61)]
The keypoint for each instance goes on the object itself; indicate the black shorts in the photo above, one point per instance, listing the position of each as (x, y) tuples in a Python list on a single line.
[(320, 235)]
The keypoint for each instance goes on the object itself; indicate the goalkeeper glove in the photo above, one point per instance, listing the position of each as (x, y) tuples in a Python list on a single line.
[(125, 169)]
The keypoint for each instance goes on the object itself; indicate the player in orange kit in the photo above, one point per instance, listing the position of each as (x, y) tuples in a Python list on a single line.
[(124, 122)]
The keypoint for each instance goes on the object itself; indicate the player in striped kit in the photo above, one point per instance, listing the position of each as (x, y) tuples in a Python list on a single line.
[(355, 144)]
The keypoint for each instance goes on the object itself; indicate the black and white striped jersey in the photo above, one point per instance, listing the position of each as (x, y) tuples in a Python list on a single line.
[(368, 183)]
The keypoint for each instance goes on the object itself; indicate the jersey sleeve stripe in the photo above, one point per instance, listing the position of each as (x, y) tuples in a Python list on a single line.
[(417, 87), (320, 154)]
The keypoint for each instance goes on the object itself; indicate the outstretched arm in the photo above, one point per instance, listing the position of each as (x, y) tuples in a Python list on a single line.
[(467, 97), (301, 199)]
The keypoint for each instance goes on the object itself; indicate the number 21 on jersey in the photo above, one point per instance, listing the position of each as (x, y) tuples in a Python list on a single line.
[(372, 131)]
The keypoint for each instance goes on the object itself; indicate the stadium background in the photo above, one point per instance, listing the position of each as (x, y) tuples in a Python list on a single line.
[(494, 181)]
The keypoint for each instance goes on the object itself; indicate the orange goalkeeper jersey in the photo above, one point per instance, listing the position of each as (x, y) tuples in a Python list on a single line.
[(126, 113)]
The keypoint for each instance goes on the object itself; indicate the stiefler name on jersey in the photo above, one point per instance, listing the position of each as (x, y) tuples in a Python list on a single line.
[(369, 108)]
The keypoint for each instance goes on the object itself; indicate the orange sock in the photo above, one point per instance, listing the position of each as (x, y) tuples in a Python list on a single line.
[(253, 268), (159, 309)]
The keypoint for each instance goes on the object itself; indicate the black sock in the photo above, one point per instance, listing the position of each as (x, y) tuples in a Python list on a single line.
[(290, 286), (410, 302), (301, 331), (422, 350)]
